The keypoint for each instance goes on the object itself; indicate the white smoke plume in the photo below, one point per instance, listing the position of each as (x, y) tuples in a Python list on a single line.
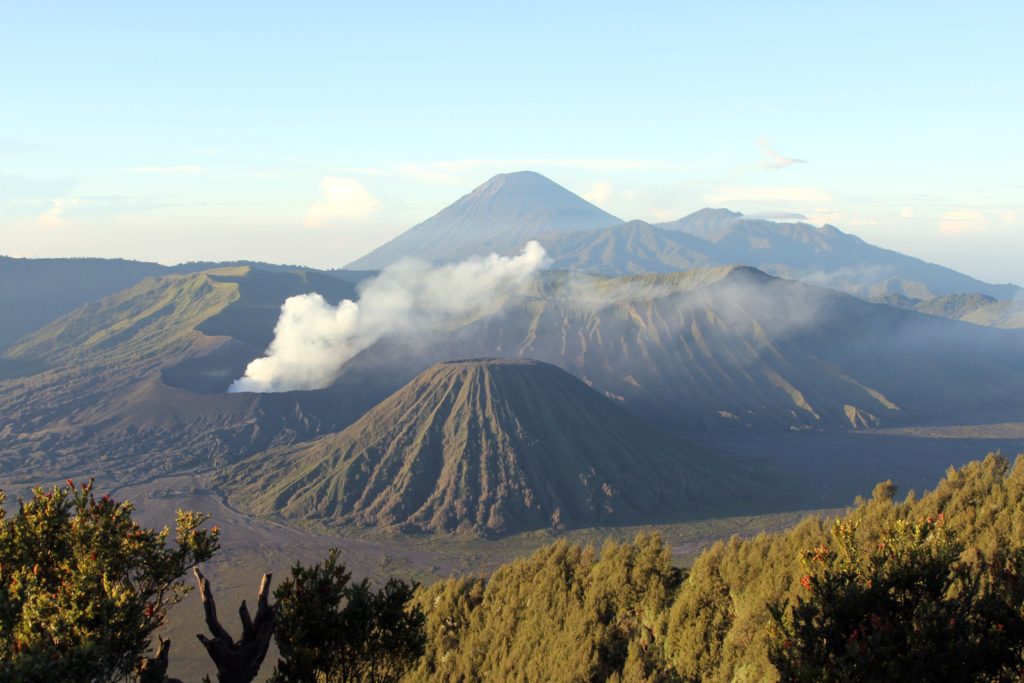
[(313, 339)]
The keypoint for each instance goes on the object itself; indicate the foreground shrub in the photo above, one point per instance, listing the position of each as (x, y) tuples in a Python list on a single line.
[(913, 608), (330, 629), (83, 587)]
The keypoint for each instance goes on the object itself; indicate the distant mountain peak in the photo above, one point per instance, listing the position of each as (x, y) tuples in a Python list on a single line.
[(516, 180), (708, 213), (500, 215), (705, 223), (833, 231), (718, 225), (521, 189)]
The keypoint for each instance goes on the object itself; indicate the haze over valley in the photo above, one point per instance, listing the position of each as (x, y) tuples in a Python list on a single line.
[(198, 366), (512, 343), (576, 372)]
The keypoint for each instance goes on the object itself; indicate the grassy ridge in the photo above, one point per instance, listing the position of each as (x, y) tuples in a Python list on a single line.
[(104, 387)]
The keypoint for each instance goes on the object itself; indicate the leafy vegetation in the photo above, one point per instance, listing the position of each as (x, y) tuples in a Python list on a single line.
[(928, 588), (565, 614), (331, 629), (910, 609), (83, 587), (743, 612)]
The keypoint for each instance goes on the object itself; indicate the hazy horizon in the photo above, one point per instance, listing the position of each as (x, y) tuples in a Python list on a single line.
[(410, 364), (235, 132)]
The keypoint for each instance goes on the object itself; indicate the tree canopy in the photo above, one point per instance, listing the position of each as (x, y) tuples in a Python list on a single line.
[(928, 588), (332, 629), (83, 587), (744, 612)]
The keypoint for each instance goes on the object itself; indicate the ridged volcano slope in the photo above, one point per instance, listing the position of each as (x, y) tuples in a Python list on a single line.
[(497, 446), (734, 349)]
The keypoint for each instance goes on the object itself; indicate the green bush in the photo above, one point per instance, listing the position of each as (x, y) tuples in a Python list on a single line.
[(83, 587), (913, 608), (330, 629)]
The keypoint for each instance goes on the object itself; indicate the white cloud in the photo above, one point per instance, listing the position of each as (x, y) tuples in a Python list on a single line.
[(186, 169), (65, 210), (663, 215), (790, 194), (360, 170), (53, 217), (18, 188), (599, 194), (907, 212), (961, 222), (613, 164), (344, 199), (582, 164), (774, 160), (823, 214), (1008, 217), (428, 173), (263, 175), (313, 339), (9, 147), (453, 171), (780, 216)]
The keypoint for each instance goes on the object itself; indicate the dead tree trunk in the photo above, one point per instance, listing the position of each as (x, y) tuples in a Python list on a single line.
[(238, 662), (154, 670)]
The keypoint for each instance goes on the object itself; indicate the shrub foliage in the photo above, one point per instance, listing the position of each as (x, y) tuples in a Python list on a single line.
[(927, 589), (83, 587), (331, 629)]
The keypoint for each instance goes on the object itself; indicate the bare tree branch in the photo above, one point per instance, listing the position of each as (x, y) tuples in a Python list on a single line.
[(238, 662), (154, 670)]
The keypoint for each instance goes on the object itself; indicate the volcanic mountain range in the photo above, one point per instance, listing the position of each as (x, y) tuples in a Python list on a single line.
[(132, 384), (500, 215), (137, 379)]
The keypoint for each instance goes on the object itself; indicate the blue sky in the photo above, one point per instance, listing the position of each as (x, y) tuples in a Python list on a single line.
[(312, 133)]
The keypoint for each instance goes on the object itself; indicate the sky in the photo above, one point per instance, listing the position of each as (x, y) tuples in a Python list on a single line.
[(309, 133)]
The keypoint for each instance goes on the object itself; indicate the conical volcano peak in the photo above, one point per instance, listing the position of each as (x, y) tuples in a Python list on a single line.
[(521, 193), (477, 363), (517, 179), (524, 186), (494, 446), (500, 215)]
